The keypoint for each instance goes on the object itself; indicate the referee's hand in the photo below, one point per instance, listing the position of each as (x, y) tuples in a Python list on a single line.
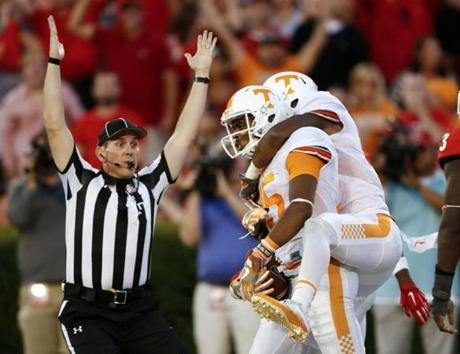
[(202, 60), (56, 47)]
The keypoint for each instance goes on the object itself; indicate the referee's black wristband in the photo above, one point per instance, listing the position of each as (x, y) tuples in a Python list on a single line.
[(441, 292), (54, 61), (204, 80)]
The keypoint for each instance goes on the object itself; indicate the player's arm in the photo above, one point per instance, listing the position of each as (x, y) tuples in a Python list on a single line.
[(448, 250), (178, 145), (304, 170), (272, 141), (59, 136)]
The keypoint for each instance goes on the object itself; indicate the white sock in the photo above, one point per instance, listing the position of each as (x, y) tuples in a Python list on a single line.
[(315, 262)]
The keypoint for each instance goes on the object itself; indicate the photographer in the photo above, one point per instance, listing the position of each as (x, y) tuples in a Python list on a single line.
[(212, 221), (37, 208), (415, 192)]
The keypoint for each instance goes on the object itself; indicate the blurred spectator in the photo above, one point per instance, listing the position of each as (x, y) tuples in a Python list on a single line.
[(368, 104), (413, 180), (143, 64), (429, 61), (76, 21), (392, 28), (106, 92), (418, 106), (212, 221), (37, 208), (271, 55), (22, 113), (447, 25), (157, 15), (286, 17), (343, 45), (15, 38)]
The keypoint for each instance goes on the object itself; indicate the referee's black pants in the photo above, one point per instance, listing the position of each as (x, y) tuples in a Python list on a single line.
[(134, 328)]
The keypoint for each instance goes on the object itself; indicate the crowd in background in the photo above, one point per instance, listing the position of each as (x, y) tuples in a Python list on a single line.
[(394, 64)]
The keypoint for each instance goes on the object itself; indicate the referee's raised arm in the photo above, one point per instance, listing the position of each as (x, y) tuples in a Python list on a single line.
[(59, 136), (186, 129)]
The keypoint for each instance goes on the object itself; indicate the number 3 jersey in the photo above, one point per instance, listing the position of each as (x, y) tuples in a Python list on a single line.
[(288, 163), (449, 147)]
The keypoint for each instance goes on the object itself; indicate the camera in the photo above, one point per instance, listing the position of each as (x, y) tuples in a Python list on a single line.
[(42, 160), (398, 150), (209, 166)]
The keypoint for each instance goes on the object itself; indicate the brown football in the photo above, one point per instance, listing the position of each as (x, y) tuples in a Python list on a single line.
[(281, 283)]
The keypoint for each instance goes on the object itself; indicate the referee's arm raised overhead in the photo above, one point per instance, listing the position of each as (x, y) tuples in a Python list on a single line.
[(59, 136), (178, 145)]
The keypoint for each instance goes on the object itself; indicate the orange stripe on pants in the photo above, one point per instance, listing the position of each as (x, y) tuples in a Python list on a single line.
[(338, 309)]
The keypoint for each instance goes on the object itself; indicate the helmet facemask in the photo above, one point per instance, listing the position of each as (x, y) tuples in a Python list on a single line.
[(244, 131)]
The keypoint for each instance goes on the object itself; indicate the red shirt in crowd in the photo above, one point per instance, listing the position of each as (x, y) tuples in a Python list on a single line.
[(157, 15), (81, 54), (440, 116), (386, 22), (88, 127), (139, 64), (10, 47)]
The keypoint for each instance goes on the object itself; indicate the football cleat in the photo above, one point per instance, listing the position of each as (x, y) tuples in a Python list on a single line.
[(286, 313)]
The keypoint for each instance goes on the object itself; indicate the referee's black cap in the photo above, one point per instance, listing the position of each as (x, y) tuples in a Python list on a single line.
[(117, 127)]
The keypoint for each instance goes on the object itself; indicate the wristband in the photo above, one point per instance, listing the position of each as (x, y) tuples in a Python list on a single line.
[(54, 61), (441, 292), (204, 80), (252, 172)]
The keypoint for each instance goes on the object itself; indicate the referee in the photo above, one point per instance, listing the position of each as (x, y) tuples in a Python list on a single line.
[(108, 307)]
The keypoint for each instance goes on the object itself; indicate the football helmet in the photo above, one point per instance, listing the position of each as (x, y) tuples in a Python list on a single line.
[(250, 113), (291, 86)]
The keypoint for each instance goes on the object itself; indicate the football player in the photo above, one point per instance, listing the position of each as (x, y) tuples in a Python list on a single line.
[(300, 183), (364, 238), (449, 233)]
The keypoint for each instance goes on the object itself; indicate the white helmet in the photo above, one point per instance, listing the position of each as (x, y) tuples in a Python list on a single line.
[(250, 113), (291, 86)]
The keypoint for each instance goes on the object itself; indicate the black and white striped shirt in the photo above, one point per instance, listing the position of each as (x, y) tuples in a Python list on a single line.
[(110, 223)]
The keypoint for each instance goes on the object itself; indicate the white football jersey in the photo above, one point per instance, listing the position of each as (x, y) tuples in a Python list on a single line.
[(359, 185), (274, 183)]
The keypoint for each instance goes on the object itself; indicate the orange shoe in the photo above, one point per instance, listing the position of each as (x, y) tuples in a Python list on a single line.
[(286, 313)]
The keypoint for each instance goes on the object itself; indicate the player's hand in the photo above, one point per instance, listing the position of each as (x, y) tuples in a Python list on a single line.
[(446, 321), (249, 275), (254, 222), (414, 304), (56, 47), (202, 60), (264, 283), (249, 188)]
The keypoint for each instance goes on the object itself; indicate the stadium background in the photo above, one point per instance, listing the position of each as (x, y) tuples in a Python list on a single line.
[(394, 63)]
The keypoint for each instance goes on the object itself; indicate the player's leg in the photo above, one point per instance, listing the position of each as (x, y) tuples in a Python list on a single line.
[(369, 244), (332, 317), (271, 338)]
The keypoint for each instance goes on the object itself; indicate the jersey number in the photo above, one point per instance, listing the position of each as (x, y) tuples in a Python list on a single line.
[(443, 145)]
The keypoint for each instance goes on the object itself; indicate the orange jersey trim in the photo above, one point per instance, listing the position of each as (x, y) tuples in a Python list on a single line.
[(301, 163), (329, 115)]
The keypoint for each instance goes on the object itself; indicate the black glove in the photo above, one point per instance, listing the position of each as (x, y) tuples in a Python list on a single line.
[(249, 188)]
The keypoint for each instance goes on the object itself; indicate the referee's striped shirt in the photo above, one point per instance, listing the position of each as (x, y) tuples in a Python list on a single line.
[(110, 223)]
